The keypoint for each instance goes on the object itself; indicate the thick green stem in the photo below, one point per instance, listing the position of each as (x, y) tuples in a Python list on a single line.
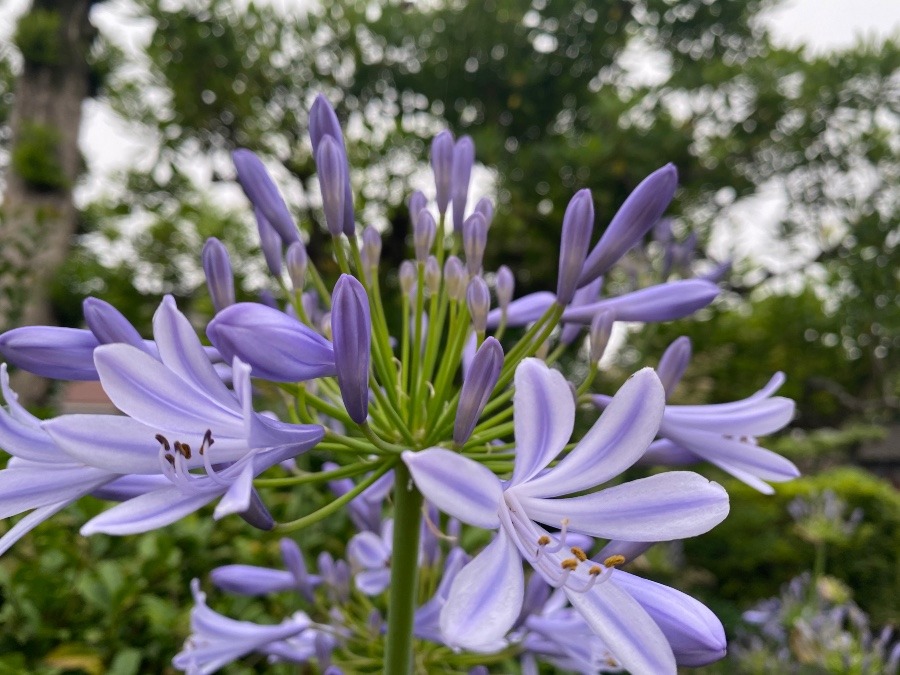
[(398, 656)]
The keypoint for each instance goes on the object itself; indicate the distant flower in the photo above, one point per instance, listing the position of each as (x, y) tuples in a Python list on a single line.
[(487, 596)]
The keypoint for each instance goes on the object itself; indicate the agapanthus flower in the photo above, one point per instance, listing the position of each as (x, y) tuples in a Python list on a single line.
[(487, 596), (255, 580)]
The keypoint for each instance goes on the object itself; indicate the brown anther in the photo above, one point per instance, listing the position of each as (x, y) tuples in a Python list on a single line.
[(170, 459), (578, 553), (595, 570), (543, 540), (207, 441), (569, 564), (163, 441), (614, 560), (183, 449)]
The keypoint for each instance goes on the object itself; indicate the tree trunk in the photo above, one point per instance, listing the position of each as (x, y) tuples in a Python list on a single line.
[(39, 217)]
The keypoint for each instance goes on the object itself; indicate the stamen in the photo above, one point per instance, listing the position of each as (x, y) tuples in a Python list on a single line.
[(169, 458), (578, 553), (595, 570), (207, 441), (163, 441), (543, 540), (569, 564), (183, 449), (614, 560), (564, 528)]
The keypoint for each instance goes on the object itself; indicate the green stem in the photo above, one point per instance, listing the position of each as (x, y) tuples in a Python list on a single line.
[(398, 656)]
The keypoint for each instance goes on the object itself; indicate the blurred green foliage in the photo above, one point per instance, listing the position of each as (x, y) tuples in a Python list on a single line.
[(36, 157), (37, 37)]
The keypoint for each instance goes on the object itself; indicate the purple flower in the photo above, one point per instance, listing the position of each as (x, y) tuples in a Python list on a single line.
[(50, 351), (474, 233), (442, 167), (578, 224), (370, 559), (463, 160), (276, 346), (270, 243), (638, 214), (323, 122), (478, 299), (351, 328), (297, 263), (487, 596), (263, 194), (332, 167), (253, 580), (219, 277), (481, 377), (673, 363)]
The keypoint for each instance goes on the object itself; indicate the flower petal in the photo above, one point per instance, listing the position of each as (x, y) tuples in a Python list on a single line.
[(762, 417), (524, 310), (544, 417), (148, 512), (29, 522), (29, 485), (615, 442), (457, 486), (626, 628), (485, 598), (667, 506), (252, 580)]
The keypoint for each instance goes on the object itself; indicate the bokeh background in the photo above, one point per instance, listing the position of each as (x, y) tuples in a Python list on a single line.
[(117, 118)]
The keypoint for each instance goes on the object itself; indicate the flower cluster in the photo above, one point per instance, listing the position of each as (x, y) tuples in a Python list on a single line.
[(482, 529)]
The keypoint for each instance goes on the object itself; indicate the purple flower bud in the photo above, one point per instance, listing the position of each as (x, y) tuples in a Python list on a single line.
[(257, 513), (109, 325), (219, 279), (442, 166), (455, 278), (49, 351), (423, 234), (432, 275), (270, 242), (663, 302), (297, 262), (463, 159), (407, 277), (276, 346), (578, 224), (474, 231), (481, 378), (371, 244), (417, 201), (352, 329), (637, 215), (601, 329), (506, 285), (331, 165), (263, 194), (583, 296), (486, 208), (673, 363), (717, 273), (478, 298), (323, 122)]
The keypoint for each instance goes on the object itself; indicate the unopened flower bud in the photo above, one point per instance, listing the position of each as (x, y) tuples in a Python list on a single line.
[(109, 325), (331, 165), (407, 277), (463, 159), (479, 383), (263, 194), (578, 224), (455, 278), (323, 122), (423, 234), (371, 244), (673, 363), (269, 241), (637, 215), (442, 166), (506, 285), (257, 514), (297, 263), (416, 202), (474, 233), (352, 330), (601, 329), (486, 208), (432, 275), (583, 296), (325, 325), (478, 298), (219, 278)]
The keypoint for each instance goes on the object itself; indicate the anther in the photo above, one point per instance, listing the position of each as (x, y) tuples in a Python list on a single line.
[(169, 458), (614, 560), (163, 441), (543, 540), (183, 449), (207, 441), (578, 553), (595, 570), (569, 564)]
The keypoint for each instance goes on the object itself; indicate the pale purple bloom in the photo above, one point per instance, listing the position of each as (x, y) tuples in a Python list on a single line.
[(673, 363), (432, 275), (277, 347), (254, 580), (506, 284), (578, 224), (270, 243), (323, 122), (370, 558), (263, 193), (351, 328), (474, 235), (424, 230), (417, 203), (463, 160), (407, 276), (632, 221), (487, 596), (109, 325), (486, 208), (332, 168), (219, 277), (455, 278), (442, 167), (601, 329), (478, 299), (364, 509), (297, 263), (427, 618), (217, 640), (371, 246), (724, 434), (478, 385), (50, 351)]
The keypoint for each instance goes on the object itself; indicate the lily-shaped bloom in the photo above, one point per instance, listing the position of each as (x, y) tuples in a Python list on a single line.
[(217, 640), (724, 434), (487, 596), (254, 580)]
